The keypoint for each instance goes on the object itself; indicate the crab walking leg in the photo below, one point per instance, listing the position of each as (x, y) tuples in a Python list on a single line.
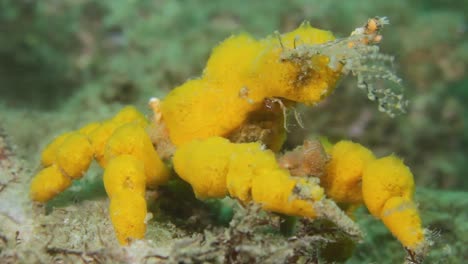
[(343, 176), (254, 175), (388, 188), (69, 155), (132, 165), (132, 139), (125, 184), (120, 145), (65, 159), (214, 167)]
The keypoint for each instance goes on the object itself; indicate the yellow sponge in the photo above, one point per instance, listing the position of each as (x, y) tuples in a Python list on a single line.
[(401, 217), (65, 159), (89, 128), (74, 155), (48, 154), (130, 114), (343, 177), (99, 136), (128, 214), (132, 139), (240, 74), (48, 183), (388, 189), (305, 34), (215, 167), (201, 164), (125, 183), (383, 179), (125, 173)]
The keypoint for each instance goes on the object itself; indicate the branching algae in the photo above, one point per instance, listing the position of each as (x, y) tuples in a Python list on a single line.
[(222, 133)]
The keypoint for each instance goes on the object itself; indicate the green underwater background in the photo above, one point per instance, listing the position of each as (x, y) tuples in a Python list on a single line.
[(66, 63)]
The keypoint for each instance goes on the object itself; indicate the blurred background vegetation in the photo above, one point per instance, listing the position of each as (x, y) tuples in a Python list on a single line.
[(64, 63)]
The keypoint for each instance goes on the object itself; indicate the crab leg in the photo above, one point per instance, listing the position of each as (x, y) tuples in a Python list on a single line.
[(120, 145), (65, 159), (388, 189), (132, 165), (245, 171)]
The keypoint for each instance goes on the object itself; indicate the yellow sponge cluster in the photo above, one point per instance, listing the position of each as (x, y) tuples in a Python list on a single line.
[(120, 145), (214, 167), (241, 73)]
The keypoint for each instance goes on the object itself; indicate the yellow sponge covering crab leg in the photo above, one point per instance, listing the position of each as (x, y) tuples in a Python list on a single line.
[(122, 146), (124, 180), (101, 134), (204, 166), (49, 153), (48, 183), (128, 216), (343, 177), (131, 166), (74, 155), (215, 167), (67, 158), (388, 189), (132, 139), (401, 217), (125, 173), (69, 155)]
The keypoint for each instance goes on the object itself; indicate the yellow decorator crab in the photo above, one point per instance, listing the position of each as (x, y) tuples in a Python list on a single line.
[(223, 132)]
